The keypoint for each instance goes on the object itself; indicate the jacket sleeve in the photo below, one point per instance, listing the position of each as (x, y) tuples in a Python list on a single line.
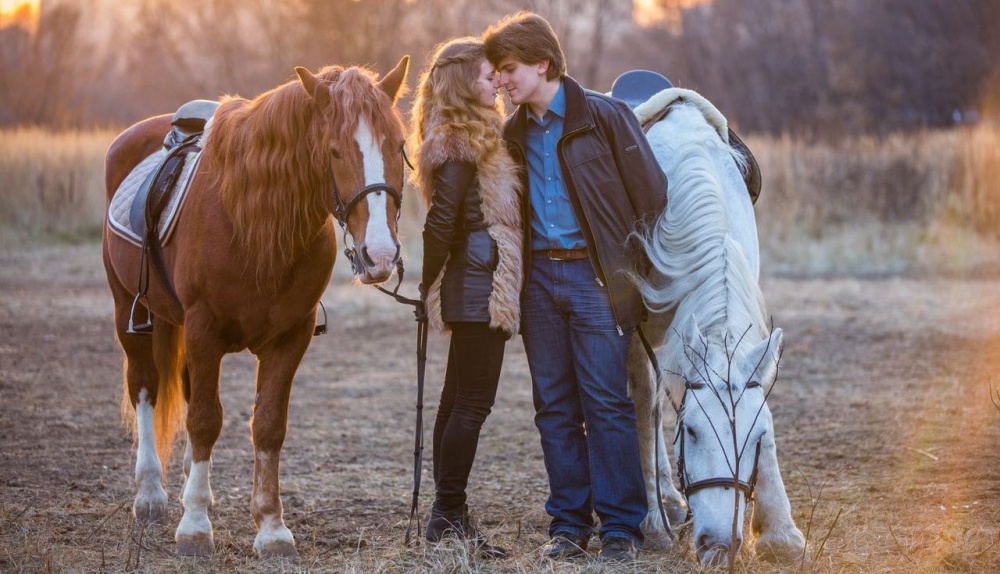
[(451, 182), (644, 180)]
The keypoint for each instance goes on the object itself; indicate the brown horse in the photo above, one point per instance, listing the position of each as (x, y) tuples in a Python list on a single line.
[(248, 260)]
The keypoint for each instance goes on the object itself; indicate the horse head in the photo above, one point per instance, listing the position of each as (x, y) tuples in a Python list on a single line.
[(723, 422), (362, 143)]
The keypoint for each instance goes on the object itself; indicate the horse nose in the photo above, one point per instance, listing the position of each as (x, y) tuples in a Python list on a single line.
[(714, 550), (366, 258)]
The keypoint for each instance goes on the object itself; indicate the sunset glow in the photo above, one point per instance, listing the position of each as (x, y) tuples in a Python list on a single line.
[(653, 12), (22, 13)]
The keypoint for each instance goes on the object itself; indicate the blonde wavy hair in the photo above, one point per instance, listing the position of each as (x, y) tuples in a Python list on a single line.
[(447, 99)]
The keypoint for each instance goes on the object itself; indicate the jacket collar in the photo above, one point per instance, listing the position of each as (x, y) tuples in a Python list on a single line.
[(577, 115)]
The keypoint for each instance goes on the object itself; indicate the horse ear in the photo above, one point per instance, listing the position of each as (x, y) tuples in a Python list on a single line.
[(394, 80), (314, 87), (765, 358)]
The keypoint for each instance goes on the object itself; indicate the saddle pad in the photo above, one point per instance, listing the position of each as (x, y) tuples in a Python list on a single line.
[(121, 202)]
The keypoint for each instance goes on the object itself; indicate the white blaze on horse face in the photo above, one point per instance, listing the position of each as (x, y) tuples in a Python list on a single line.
[(380, 245)]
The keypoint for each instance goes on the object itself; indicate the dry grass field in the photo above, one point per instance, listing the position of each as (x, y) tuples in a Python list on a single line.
[(886, 433)]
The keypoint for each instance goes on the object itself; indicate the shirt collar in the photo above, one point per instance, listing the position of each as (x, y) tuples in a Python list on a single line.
[(557, 106)]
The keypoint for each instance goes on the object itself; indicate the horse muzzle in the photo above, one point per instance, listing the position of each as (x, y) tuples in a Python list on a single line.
[(375, 266), (714, 549)]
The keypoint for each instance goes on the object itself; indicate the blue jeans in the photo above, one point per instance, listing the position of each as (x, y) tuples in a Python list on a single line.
[(578, 364)]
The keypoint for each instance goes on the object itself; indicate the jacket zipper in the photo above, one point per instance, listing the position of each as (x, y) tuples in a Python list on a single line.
[(597, 256)]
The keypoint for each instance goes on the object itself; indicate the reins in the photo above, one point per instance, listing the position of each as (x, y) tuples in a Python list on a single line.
[(657, 428), (418, 433), (341, 211)]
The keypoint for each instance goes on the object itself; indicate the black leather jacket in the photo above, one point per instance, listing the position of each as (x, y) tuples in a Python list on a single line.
[(455, 232), (614, 184)]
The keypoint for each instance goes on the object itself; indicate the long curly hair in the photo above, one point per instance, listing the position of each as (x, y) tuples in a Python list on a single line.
[(447, 101)]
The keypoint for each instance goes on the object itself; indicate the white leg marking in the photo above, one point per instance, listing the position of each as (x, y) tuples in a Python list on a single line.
[(378, 240), (197, 499), (272, 534), (150, 498)]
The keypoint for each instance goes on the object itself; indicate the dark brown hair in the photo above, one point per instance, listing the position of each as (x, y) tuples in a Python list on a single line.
[(528, 38)]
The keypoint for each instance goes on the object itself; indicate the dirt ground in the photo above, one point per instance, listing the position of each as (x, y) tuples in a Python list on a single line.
[(887, 436)]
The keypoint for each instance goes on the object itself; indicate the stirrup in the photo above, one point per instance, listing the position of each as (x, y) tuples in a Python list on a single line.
[(143, 328), (320, 328)]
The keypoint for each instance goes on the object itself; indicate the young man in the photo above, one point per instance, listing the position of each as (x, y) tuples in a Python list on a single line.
[(591, 180)]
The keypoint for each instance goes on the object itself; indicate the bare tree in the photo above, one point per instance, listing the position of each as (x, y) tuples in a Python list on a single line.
[(37, 79)]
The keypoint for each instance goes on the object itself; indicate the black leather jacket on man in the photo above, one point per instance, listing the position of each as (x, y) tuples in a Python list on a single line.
[(613, 183), (455, 232)]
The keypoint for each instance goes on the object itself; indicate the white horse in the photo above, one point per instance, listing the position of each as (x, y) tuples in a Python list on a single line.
[(709, 329)]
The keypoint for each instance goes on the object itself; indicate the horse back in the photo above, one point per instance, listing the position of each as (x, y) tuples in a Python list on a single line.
[(131, 147)]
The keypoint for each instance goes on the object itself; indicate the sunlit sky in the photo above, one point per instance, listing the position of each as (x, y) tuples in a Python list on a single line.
[(25, 12), (19, 12), (647, 12)]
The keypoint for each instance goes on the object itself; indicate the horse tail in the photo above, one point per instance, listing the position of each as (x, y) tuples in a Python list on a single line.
[(169, 408)]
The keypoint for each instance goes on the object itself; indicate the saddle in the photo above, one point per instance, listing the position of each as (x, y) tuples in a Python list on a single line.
[(650, 95), (141, 215), (188, 124)]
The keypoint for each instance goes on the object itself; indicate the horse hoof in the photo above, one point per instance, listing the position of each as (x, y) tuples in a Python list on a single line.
[(279, 550), (150, 513), (195, 545), (657, 541), (676, 513), (781, 551)]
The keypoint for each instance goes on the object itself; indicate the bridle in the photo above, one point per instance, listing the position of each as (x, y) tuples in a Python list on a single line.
[(342, 210), (688, 488)]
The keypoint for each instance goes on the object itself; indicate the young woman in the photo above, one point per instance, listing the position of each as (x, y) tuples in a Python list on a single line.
[(472, 268)]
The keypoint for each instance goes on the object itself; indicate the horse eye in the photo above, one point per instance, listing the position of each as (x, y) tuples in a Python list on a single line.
[(753, 385), (691, 433), (335, 154)]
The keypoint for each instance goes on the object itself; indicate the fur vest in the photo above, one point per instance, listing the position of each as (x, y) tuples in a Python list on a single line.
[(501, 196)]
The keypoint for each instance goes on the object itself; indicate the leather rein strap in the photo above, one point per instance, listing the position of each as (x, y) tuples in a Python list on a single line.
[(418, 433), (422, 328), (657, 432)]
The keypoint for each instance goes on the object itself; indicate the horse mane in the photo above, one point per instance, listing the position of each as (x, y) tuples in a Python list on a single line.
[(698, 267), (270, 157)]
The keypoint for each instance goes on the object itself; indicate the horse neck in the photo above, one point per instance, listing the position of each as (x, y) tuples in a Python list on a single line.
[(276, 205), (700, 244)]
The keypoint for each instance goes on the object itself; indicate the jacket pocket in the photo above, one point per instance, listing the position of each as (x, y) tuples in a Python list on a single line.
[(481, 251)]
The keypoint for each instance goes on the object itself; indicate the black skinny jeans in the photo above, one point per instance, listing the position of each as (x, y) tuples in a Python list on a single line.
[(470, 387)]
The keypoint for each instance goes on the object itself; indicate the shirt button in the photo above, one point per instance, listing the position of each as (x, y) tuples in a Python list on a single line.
[(548, 201), (548, 179), (546, 131), (552, 225), (547, 154)]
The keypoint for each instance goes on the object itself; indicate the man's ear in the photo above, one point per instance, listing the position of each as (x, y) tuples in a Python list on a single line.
[(543, 67)]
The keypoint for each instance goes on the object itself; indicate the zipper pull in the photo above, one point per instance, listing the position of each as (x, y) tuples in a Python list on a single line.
[(620, 332), (599, 282)]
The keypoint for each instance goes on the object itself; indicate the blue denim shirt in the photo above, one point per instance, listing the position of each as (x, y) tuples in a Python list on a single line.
[(553, 223)]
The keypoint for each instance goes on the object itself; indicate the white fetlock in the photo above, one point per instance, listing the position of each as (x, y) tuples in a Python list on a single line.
[(274, 540), (194, 533)]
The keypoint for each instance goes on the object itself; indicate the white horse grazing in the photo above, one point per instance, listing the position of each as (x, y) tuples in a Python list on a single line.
[(709, 328)]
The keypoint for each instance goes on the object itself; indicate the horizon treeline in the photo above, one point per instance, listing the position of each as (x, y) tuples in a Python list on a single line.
[(816, 68)]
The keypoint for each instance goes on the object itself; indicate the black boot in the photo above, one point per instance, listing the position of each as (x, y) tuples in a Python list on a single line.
[(458, 524)]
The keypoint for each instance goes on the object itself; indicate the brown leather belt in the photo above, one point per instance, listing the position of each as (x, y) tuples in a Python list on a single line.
[(561, 254)]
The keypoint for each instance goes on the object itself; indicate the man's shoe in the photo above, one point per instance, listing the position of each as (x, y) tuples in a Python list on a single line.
[(617, 549), (563, 546)]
